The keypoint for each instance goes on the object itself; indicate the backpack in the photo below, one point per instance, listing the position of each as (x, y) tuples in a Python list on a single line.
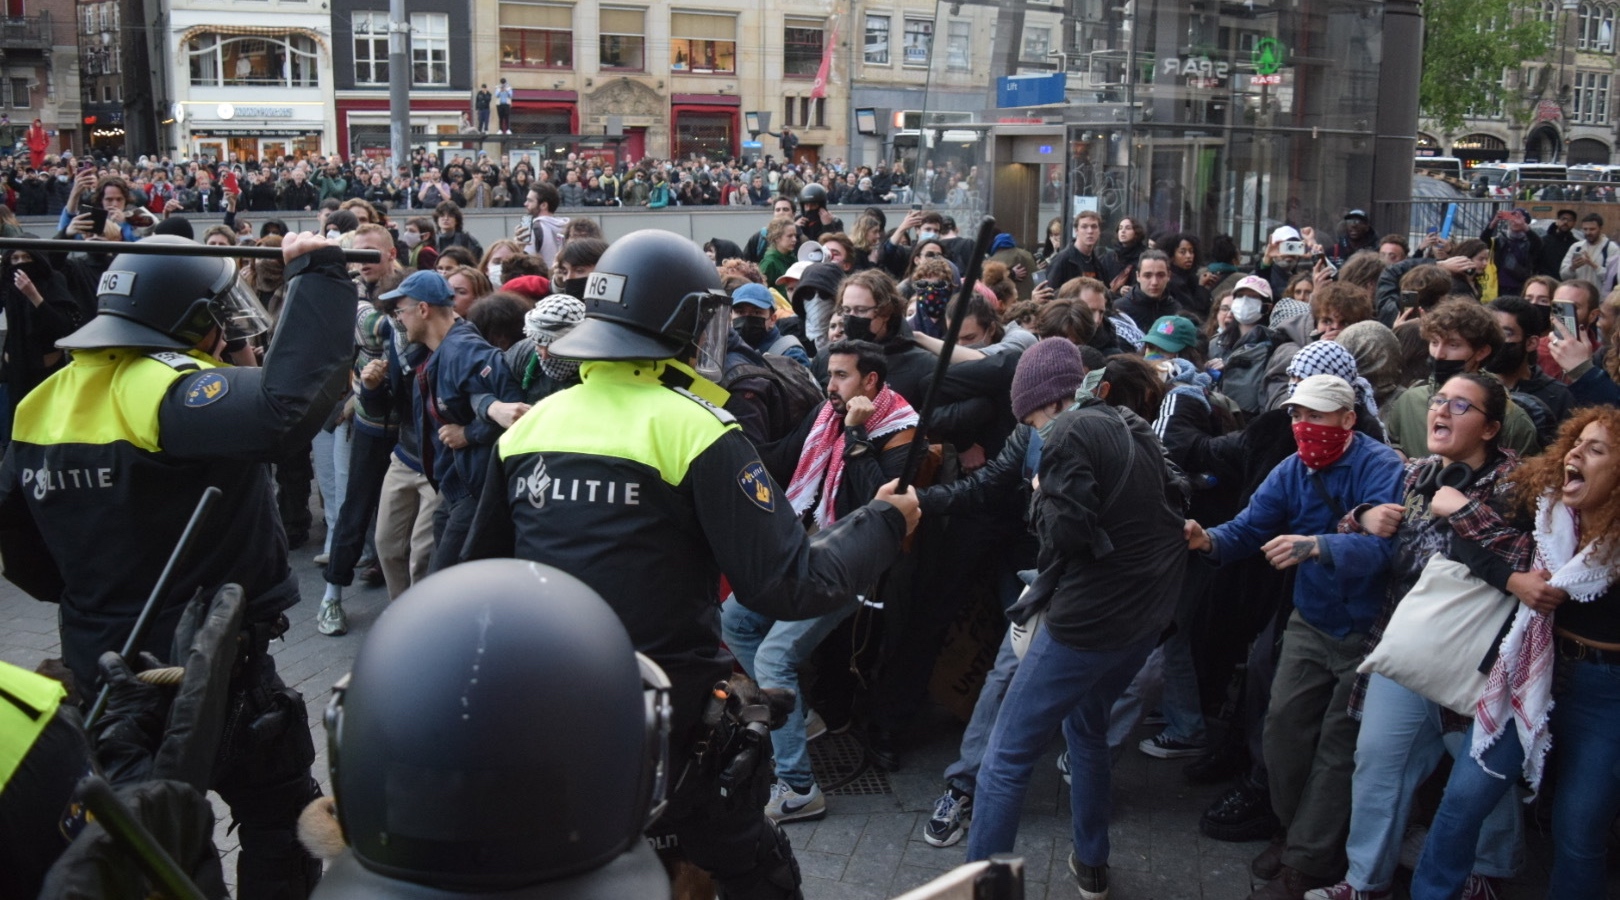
[(1243, 376), (795, 393)]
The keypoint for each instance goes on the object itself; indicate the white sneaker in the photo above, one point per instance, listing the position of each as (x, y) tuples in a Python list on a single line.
[(789, 805), (322, 559), (330, 619)]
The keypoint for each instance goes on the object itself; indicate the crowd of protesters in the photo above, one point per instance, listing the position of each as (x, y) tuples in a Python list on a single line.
[(1207, 471)]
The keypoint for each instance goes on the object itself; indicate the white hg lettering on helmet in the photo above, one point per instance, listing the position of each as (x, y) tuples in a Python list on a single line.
[(116, 281), (604, 287)]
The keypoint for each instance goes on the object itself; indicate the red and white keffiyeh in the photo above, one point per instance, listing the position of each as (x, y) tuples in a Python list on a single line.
[(821, 464), (1519, 689)]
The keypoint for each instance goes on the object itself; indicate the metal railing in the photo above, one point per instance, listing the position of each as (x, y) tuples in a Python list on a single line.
[(25, 32)]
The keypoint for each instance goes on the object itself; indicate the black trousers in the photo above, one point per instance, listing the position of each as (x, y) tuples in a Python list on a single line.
[(294, 473)]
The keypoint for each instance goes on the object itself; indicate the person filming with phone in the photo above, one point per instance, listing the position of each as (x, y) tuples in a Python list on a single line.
[(97, 209)]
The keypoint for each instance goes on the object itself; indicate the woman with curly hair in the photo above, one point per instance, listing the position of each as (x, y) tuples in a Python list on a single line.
[(1569, 621)]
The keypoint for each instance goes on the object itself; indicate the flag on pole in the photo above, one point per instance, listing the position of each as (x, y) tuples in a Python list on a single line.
[(825, 71)]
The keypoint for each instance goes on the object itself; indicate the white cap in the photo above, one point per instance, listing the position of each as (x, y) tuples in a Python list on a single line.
[(794, 272), (1323, 393), (1285, 233)]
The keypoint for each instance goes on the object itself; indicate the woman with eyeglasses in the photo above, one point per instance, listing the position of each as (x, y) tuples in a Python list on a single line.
[(1454, 498)]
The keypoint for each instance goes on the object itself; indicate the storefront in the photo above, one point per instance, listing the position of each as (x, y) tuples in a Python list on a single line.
[(1221, 120), (704, 125), (545, 112), (257, 132), (366, 127)]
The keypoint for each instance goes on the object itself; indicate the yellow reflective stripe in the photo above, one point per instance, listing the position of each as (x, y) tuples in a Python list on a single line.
[(622, 410), (19, 730), (102, 397)]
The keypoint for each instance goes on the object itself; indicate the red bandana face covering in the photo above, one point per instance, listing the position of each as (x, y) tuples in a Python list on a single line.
[(1320, 446)]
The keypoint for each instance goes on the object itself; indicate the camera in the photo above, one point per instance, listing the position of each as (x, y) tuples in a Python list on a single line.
[(1292, 248)]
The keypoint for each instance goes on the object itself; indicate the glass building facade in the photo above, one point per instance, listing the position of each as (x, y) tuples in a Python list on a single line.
[(1204, 116)]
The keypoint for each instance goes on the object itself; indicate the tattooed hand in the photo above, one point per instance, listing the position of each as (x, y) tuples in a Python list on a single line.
[(1289, 550)]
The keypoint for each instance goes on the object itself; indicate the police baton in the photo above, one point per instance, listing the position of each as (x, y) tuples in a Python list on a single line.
[(953, 327), (143, 624), (161, 248), (168, 879)]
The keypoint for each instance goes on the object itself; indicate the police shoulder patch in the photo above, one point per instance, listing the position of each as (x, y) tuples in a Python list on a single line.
[(756, 486), (207, 388)]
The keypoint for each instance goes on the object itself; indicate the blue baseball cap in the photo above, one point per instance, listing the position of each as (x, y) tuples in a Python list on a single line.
[(424, 287), (753, 295)]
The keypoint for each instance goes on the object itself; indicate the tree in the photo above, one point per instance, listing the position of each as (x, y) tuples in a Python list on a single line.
[(1467, 44)]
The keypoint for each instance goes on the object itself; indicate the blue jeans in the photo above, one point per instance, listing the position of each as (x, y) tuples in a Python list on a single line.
[(1471, 794), (771, 652), (332, 450), (1399, 745), (1586, 732), (1056, 685), (1182, 704)]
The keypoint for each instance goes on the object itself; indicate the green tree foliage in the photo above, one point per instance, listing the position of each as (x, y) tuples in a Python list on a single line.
[(1466, 46)]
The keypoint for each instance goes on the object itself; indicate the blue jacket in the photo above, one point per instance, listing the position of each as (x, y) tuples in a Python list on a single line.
[(397, 394), (1594, 387), (464, 376), (1342, 591)]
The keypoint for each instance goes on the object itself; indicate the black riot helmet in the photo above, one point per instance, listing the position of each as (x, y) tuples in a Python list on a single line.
[(653, 295), (812, 194), (498, 731), (168, 302)]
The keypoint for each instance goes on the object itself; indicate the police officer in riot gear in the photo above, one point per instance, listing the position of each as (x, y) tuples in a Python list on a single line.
[(815, 219), (640, 484), (108, 459), (498, 735)]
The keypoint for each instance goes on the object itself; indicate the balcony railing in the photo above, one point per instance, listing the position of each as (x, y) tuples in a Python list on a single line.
[(25, 32)]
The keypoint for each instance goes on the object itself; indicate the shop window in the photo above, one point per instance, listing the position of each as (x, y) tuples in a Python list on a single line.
[(703, 44), (541, 121), (959, 46), (801, 49), (622, 39), (370, 47), (537, 36), (703, 135), (919, 41), (430, 49), (877, 40), (219, 60)]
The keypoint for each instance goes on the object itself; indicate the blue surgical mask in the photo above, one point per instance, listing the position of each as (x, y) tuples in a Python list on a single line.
[(927, 236)]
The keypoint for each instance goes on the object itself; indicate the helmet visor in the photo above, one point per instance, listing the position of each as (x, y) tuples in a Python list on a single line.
[(713, 338), (239, 313)]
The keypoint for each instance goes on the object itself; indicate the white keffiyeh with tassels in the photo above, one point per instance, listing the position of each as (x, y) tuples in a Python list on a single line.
[(1519, 689)]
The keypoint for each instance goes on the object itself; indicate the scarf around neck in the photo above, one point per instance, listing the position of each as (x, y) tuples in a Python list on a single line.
[(1518, 692), (821, 464)]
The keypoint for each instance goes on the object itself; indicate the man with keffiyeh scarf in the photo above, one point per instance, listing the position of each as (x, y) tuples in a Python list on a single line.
[(832, 464)]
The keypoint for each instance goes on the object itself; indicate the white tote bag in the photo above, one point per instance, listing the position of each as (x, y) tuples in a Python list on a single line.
[(1440, 635)]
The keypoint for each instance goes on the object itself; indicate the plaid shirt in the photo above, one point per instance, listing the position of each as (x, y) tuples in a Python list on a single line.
[(1421, 536)]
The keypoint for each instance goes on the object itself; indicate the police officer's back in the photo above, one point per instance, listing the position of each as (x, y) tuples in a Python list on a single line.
[(641, 485), (107, 461)]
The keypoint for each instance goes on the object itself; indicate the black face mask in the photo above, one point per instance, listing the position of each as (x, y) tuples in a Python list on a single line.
[(38, 271), (857, 328), (1443, 370), (574, 287), (1543, 318), (1507, 360), (752, 329)]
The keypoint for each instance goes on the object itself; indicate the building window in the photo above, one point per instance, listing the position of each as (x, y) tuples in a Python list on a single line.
[(623, 39), (371, 47), (106, 93), (919, 41), (877, 40), (1037, 42), (221, 60), (1591, 102), (537, 36), (801, 48), (19, 93), (703, 44), (959, 46), (1595, 27), (430, 49)]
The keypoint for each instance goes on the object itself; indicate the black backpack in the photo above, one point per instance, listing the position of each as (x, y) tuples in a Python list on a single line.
[(794, 393), (1541, 415)]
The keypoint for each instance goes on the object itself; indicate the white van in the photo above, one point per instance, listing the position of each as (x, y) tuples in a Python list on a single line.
[(1443, 166), (1503, 179)]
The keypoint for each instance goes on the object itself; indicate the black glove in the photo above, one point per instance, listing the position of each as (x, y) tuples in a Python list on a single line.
[(128, 732)]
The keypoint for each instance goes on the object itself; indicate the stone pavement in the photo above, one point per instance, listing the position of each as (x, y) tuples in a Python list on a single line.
[(868, 846)]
